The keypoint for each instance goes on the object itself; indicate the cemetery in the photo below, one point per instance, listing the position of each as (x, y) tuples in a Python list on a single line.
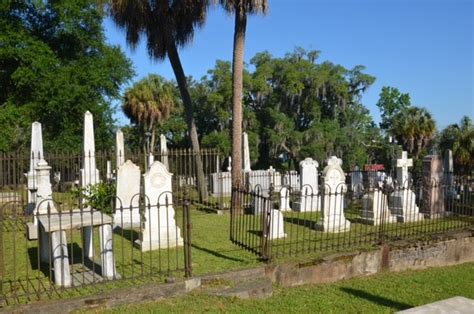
[(139, 228), (204, 181)]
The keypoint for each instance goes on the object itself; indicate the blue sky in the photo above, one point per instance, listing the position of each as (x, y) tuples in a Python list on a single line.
[(422, 47)]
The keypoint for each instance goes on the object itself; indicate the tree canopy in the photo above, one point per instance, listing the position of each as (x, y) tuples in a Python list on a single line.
[(55, 64)]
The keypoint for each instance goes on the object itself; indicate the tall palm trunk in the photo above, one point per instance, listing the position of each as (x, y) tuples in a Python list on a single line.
[(188, 106), (237, 87)]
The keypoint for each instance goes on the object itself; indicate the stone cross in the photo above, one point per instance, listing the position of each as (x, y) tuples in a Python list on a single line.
[(245, 153), (403, 163), (119, 148), (164, 151)]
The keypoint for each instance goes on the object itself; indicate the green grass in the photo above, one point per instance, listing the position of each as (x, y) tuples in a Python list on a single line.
[(381, 293)]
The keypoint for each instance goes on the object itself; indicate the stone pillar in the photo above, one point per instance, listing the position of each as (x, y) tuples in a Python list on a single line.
[(106, 252), (164, 151), (62, 275), (245, 153), (36, 154), (119, 148), (433, 187)]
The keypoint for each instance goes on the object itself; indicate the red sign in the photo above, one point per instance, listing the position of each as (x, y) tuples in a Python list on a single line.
[(377, 167)]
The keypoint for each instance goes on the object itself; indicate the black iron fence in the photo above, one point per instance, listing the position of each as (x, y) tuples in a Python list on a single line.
[(63, 237), (286, 221)]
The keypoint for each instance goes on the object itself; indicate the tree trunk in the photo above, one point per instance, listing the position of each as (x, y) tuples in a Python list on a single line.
[(188, 106), (237, 87)]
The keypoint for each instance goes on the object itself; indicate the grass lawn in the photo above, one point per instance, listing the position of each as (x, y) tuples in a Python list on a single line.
[(384, 292)]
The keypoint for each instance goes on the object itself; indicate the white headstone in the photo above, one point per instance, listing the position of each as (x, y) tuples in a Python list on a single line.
[(284, 199), (159, 229), (119, 148), (403, 200), (309, 198), (36, 155), (109, 175), (221, 184), (245, 153), (277, 225), (164, 151), (375, 209), (333, 219), (127, 211)]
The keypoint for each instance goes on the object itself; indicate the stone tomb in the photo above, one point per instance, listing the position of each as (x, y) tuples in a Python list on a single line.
[(332, 216), (403, 200), (159, 229), (53, 225), (433, 187), (310, 199), (375, 209), (127, 211)]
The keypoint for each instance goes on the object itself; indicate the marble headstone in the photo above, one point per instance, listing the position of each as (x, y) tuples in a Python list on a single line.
[(277, 225), (332, 216), (127, 213), (284, 199), (375, 209), (159, 229), (309, 194)]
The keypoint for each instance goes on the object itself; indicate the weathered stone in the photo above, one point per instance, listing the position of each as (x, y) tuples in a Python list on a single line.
[(309, 198), (159, 229), (458, 305), (333, 219), (433, 187), (277, 225), (284, 199), (119, 148), (127, 211), (375, 209), (164, 151), (245, 153)]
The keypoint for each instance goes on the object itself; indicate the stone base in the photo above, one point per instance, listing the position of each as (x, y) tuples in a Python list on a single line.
[(32, 231), (411, 217), (367, 217), (333, 227), (126, 221), (309, 204), (164, 242)]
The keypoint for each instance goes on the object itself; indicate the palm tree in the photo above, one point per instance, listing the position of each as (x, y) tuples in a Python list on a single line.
[(148, 103), (167, 25), (460, 138), (414, 127), (240, 8)]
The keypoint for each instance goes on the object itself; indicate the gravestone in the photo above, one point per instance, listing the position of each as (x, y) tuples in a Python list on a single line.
[(119, 148), (127, 212), (89, 175), (36, 154), (164, 151), (259, 200), (53, 247), (403, 200), (433, 187), (332, 216), (245, 153), (284, 199), (375, 208), (159, 229), (309, 195), (357, 185), (277, 225), (451, 192), (109, 175)]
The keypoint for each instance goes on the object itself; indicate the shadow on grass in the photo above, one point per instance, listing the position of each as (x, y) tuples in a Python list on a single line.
[(217, 254), (377, 299), (300, 222)]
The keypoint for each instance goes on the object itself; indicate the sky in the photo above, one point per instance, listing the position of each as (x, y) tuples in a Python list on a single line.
[(421, 47)]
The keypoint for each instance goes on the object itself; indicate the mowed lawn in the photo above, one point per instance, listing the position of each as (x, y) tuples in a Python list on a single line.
[(384, 292)]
